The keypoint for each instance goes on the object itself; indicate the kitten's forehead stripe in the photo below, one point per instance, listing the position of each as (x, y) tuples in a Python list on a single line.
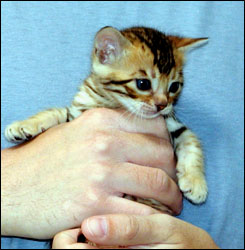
[(153, 74), (159, 45), (143, 72)]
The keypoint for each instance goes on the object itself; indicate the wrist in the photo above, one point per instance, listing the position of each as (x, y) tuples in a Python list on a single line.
[(12, 211)]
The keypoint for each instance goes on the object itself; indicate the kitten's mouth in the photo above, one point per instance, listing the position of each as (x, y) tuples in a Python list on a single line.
[(148, 113)]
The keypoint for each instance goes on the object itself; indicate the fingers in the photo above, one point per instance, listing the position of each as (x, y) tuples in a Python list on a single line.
[(68, 240), (131, 123), (119, 205), (122, 120), (146, 150), (147, 182), (140, 149), (65, 238), (130, 230)]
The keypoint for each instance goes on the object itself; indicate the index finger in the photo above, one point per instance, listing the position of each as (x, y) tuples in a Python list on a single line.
[(125, 121), (66, 238), (132, 123)]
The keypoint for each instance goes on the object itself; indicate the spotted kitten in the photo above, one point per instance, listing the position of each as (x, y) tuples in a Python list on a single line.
[(139, 69)]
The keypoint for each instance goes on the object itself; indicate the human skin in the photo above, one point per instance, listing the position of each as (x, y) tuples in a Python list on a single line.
[(81, 169), (157, 231)]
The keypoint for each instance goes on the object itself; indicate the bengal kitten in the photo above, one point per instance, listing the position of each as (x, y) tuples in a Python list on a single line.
[(139, 69)]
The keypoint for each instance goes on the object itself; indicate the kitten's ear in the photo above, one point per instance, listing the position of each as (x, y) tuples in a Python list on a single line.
[(109, 44), (186, 44)]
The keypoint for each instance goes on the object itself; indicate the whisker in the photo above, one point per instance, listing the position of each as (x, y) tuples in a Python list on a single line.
[(126, 114)]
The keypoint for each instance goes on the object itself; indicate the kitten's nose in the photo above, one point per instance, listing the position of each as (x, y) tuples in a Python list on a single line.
[(160, 107)]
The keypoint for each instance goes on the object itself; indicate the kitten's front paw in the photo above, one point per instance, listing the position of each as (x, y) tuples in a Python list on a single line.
[(21, 131), (194, 187)]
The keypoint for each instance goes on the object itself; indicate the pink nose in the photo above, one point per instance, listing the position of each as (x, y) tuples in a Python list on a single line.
[(160, 107)]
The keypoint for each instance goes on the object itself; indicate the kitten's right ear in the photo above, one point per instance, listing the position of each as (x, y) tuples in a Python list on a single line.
[(187, 44), (109, 45)]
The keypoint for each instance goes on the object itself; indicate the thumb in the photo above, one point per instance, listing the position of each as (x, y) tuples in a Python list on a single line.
[(122, 229)]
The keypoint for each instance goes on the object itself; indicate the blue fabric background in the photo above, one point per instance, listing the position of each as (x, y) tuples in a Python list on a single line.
[(46, 50)]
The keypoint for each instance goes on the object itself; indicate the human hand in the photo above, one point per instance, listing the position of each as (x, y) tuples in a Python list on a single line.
[(83, 168), (157, 231)]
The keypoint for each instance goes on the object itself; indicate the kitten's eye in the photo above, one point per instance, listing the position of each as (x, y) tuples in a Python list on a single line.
[(174, 87), (143, 84)]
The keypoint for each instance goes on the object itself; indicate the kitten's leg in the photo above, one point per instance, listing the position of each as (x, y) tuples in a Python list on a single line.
[(190, 165), (25, 130)]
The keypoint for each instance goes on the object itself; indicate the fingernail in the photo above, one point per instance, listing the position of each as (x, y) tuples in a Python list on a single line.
[(97, 226)]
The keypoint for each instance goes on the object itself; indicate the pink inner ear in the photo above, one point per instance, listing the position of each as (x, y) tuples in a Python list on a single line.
[(106, 43), (106, 51), (107, 46)]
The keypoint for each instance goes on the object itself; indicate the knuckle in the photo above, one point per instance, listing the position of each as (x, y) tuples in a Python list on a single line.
[(96, 196), (101, 172), (92, 198), (159, 181), (171, 225), (131, 229), (102, 142)]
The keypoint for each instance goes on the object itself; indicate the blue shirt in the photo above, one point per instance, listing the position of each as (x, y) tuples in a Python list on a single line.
[(46, 49)]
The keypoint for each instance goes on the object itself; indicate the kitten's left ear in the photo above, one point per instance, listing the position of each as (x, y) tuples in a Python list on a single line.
[(109, 45), (186, 44)]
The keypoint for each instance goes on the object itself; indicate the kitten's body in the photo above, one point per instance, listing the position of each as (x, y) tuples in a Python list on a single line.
[(123, 65)]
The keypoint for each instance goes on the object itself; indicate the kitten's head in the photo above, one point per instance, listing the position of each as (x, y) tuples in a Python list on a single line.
[(141, 67)]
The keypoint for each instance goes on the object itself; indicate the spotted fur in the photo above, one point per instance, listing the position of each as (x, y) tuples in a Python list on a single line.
[(121, 61)]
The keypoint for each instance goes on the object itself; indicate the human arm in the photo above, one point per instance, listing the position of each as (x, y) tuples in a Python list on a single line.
[(157, 231), (78, 169)]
